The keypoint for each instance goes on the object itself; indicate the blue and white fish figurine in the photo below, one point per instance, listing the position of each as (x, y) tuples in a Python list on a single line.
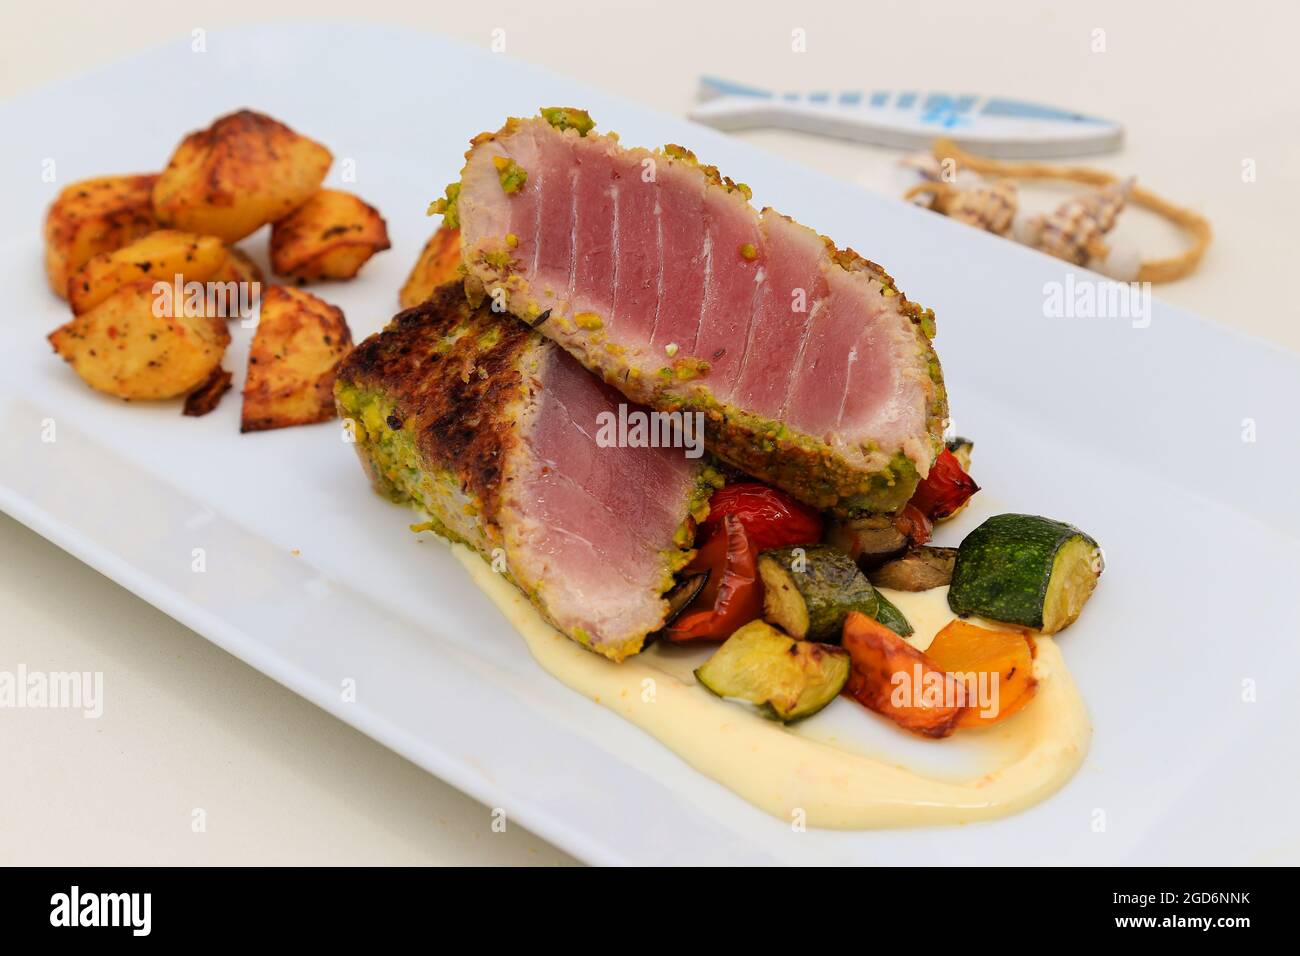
[(989, 125)]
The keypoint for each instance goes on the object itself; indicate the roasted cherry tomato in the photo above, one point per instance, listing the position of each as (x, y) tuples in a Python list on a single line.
[(772, 519), (734, 594), (945, 488), (912, 522)]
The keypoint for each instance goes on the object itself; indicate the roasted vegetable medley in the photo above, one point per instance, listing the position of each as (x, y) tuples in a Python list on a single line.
[(800, 603)]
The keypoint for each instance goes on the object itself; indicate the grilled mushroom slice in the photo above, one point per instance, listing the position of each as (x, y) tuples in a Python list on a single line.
[(918, 570)]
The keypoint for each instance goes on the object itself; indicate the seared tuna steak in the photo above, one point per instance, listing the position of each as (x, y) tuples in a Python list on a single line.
[(491, 430), (655, 272)]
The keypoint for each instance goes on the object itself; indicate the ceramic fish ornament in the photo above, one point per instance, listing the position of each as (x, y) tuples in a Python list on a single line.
[(910, 119)]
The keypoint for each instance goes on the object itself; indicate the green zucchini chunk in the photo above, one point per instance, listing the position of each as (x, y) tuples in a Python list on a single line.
[(809, 591), (919, 570), (890, 616), (1027, 570), (786, 679)]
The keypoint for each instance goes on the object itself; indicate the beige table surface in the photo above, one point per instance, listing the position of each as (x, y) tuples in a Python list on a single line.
[(1201, 88)]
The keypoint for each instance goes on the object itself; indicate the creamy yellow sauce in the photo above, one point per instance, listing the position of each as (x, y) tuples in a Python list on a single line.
[(823, 771)]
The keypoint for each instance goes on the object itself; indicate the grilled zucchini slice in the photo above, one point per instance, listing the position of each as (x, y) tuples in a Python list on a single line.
[(1027, 570), (890, 616), (786, 679), (809, 591)]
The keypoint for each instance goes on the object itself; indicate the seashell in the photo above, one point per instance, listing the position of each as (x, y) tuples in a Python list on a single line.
[(1075, 230), (989, 206)]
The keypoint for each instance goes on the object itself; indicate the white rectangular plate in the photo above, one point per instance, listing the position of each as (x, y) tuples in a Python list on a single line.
[(1185, 656)]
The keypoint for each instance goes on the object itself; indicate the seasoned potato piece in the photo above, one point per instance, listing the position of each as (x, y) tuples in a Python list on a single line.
[(239, 267), (124, 347), (439, 262), (94, 216), (330, 236), (243, 171), (205, 398), (291, 364), (159, 257)]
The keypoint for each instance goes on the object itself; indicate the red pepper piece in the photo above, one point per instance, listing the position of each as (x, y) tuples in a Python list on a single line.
[(912, 522), (772, 519), (737, 597), (945, 488)]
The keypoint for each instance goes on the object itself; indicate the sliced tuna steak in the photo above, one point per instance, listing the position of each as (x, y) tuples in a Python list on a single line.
[(492, 431), (656, 273)]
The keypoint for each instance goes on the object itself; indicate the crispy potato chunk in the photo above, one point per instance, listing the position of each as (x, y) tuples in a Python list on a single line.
[(158, 257), (243, 171), (131, 347), (240, 267), (985, 658), (894, 679), (439, 263), (330, 236), (206, 397), (296, 349), (94, 216)]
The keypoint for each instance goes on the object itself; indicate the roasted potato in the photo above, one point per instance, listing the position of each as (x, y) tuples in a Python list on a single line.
[(298, 344), (94, 216), (130, 347), (330, 236), (439, 263), (243, 171), (239, 267), (205, 398), (160, 257)]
